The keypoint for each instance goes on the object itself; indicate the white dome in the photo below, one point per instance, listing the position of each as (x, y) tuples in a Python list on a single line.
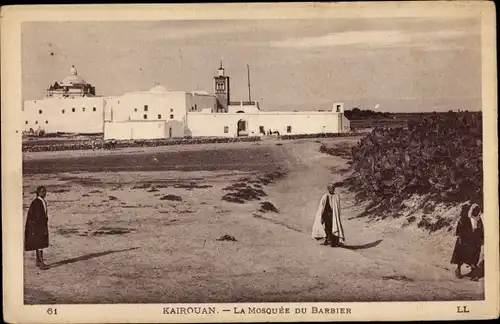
[(72, 80), (158, 89)]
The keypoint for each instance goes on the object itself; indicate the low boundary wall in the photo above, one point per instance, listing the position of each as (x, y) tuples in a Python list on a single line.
[(87, 144)]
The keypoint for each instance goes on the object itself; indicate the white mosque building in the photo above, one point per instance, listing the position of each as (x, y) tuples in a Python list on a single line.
[(71, 106)]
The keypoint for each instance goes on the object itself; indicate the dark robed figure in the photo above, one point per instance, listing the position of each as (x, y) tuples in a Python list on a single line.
[(470, 237), (36, 233)]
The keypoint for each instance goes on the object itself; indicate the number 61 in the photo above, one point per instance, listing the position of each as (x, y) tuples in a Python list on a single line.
[(52, 311)]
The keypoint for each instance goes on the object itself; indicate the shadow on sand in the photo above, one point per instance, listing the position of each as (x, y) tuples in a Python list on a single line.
[(361, 247), (87, 257)]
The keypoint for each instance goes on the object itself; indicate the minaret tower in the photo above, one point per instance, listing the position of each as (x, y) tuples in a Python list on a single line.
[(221, 90)]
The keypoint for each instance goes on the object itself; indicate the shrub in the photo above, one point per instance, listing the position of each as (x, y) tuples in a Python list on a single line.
[(171, 198), (440, 155), (339, 150), (268, 206), (320, 135)]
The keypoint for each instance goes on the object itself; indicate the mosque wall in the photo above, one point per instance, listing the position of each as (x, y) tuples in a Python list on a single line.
[(80, 115), (159, 113), (133, 112), (226, 124), (147, 106), (135, 130), (247, 108), (196, 102), (346, 124), (87, 115), (143, 129)]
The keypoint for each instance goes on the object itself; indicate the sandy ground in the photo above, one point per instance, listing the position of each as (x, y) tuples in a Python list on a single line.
[(114, 240)]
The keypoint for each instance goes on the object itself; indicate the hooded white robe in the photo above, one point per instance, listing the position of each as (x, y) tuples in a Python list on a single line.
[(473, 220), (318, 231)]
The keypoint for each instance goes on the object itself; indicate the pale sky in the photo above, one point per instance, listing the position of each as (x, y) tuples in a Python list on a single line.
[(401, 64)]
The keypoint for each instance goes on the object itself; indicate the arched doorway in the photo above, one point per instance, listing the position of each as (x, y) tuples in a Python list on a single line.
[(242, 127)]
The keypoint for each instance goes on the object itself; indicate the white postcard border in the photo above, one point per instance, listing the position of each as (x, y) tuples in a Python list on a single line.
[(16, 312)]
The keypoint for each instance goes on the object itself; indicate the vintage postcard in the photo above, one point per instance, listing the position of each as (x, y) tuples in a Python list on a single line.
[(249, 162)]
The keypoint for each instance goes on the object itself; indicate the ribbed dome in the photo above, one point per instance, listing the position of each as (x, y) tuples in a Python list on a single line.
[(72, 80)]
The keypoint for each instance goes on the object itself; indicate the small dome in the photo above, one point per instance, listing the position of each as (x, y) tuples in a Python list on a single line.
[(72, 80), (158, 89)]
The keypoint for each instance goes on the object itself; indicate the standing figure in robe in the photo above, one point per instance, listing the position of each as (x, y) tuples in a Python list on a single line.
[(470, 238), (36, 232), (327, 221)]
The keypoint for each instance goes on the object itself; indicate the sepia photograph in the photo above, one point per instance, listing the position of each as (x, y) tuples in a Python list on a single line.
[(193, 162)]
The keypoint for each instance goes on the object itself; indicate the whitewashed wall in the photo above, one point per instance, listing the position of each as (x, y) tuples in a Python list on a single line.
[(47, 114), (160, 106), (200, 124), (346, 123), (232, 109), (198, 102), (135, 130)]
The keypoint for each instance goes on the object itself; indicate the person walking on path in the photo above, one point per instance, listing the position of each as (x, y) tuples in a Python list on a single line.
[(470, 238), (36, 232), (327, 221)]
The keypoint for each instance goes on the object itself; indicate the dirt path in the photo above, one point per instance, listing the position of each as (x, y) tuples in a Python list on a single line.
[(170, 252), (389, 260)]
